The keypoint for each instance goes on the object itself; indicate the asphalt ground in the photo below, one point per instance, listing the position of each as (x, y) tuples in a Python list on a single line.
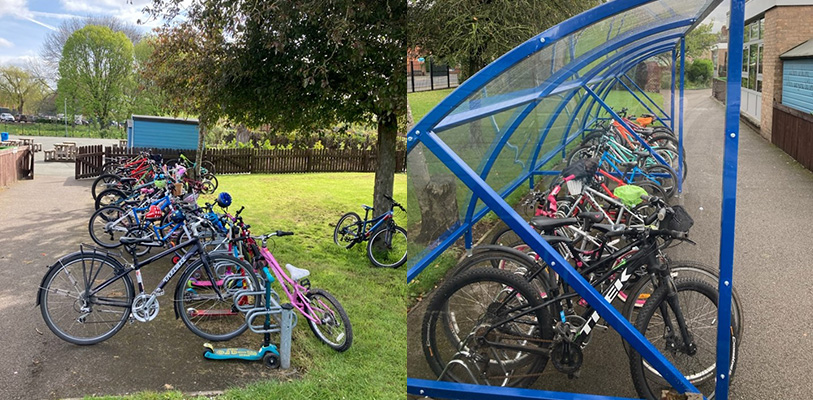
[(771, 267), (43, 219)]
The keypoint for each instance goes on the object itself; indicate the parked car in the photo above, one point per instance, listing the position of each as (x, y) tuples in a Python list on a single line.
[(6, 117), (22, 118)]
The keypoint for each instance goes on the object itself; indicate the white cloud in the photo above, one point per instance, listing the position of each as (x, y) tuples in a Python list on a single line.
[(19, 9), (5, 43), (20, 61)]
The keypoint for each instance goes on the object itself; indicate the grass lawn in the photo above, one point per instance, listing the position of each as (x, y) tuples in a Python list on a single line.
[(423, 102), (58, 130), (375, 299), (618, 99)]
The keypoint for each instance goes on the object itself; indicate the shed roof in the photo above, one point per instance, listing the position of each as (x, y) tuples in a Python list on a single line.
[(153, 118), (803, 50)]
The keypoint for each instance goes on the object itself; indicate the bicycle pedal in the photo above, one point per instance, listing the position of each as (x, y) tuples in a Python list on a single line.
[(604, 327)]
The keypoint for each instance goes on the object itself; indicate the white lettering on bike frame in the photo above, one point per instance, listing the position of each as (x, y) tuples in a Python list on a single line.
[(175, 269)]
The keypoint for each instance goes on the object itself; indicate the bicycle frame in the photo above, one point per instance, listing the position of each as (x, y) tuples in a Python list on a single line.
[(375, 222)]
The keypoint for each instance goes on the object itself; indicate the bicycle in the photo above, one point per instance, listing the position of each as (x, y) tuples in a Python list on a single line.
[(325, 315), (86, 297), (386, 241), (497, 322)]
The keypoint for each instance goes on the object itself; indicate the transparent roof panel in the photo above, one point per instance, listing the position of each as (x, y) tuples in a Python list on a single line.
[(524, 114)]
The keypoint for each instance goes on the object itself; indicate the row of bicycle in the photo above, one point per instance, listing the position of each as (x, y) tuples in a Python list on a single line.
[(226, 273), (504, 314)]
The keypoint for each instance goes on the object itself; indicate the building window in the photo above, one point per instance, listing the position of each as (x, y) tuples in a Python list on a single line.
[(752, 55)]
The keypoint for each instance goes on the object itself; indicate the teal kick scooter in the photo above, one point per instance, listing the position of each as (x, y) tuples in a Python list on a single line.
[(269, 353)]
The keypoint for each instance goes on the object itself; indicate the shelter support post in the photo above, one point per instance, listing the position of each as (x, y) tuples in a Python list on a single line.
[(672, 90), (680, 118)]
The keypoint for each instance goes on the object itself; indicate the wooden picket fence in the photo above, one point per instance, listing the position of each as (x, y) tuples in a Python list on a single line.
[(247, 161)]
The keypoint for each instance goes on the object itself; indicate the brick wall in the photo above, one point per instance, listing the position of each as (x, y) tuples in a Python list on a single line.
[(785, 28)]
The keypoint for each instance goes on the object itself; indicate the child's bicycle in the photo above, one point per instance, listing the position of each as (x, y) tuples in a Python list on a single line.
[(325, 315), (387, 242)]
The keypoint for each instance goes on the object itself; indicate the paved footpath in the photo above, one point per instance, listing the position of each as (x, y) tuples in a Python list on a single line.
[(772, 270), (40, 221)]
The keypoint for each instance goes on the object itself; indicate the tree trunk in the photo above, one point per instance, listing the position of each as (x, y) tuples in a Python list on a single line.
[(385, 171), (199, 155)]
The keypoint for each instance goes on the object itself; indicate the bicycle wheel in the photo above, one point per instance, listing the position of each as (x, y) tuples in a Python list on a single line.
[(388, 247), (208, 166), (580, 153), (103, 182), (347, 230), (663, 177), (108, 224), (473, 304), (74, 315), (110, 197), (334, 326), (110, 167), (685, 269), (697, 300), (210, 183), (206, 314)]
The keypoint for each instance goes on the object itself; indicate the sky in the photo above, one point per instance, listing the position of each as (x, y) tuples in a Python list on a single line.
[(25, 23)]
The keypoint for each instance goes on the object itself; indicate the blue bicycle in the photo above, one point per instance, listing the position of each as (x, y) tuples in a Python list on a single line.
[(386, 241)]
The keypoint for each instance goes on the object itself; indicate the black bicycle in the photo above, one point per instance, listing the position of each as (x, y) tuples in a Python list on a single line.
[(88, 296), (387, 242)]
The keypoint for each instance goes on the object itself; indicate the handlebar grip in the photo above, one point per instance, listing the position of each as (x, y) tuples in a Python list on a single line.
[(284, 233), (651, 219), (614, 233), (240, 210)]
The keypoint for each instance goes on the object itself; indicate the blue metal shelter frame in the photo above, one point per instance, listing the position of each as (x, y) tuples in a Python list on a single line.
[(510, 89)]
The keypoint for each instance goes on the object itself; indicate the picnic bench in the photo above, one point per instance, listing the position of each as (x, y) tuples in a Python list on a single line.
[(65, 151)]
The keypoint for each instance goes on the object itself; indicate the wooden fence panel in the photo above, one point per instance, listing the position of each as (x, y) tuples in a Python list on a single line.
[(792, 131), (241, 161)]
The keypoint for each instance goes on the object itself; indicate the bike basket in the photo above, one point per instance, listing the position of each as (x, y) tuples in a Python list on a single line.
[(678, 220), (574, 187), (177, 189), (582, 169), (630, 195)]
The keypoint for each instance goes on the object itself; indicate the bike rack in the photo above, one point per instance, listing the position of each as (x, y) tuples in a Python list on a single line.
[(286, 320), (635, 31)]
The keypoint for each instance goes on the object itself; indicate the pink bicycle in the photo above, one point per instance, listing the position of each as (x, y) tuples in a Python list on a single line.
[(325, 315)]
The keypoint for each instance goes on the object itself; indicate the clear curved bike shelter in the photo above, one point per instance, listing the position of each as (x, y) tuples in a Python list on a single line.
[(508, 124)]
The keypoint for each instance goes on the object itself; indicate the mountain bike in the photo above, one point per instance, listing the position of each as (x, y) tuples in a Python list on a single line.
[(88, 296), (386, 241)]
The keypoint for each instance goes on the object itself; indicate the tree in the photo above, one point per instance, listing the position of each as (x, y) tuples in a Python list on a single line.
[(473, 33), (94, 71), (294, 65), (699, 40), (19, 86), (54, 42)]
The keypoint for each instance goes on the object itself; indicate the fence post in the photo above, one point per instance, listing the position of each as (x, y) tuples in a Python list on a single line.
[(431, 75), (448, 79), (412, 73), (308, 160)]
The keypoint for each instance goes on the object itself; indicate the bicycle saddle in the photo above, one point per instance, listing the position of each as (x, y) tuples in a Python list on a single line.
[(296, 273), (366, 207), (594, 217), (128, 180), (641, 153), (546, 223)]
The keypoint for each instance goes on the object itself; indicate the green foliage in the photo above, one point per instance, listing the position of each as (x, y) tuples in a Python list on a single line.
[(700, 72), (57, 129), (699, 40), (472, 33), (95, 73), (19, 87)]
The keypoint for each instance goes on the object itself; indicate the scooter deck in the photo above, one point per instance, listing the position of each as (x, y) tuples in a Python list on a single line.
[(238, 353)]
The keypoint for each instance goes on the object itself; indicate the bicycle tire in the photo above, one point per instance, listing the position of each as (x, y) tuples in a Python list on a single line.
[(438, 347), (110, 167), (581, 152), (103, 216), (682, 269), (668, 183), (103, 182), (648, 383), (208, 166), (109, 197), (59, 271), (226, 319), (386, 248), (343, 229), (328, 320), (212, 179)]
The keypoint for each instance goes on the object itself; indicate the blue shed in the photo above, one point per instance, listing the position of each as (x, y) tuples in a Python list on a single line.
[(797, 77), (162, 132)]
